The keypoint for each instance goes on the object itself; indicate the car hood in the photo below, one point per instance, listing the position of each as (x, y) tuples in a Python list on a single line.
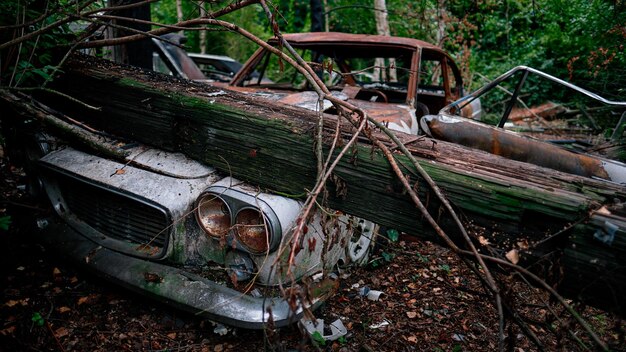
[(397, 117)]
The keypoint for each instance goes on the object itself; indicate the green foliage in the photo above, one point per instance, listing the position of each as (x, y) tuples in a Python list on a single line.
[(5, 222), (251, 18), (393, 235), (37, 319), (385, 258), (580, 40), (351, 16), (388, 256), (422, 258), (32, 62), (445, 267)]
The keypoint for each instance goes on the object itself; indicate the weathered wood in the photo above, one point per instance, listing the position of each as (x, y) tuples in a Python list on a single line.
[(273, 146)]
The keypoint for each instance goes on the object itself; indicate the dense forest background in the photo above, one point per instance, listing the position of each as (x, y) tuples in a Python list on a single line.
[(579, 40)]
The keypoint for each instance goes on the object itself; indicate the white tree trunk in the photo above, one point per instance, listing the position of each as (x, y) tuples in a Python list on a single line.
[(441, 22), (382, 28), (326, 22), (203, 43), (179, 12)]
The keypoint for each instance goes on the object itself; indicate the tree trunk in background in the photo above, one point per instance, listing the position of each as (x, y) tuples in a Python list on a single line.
[(137, 53), (179, 13), (179, 10), (326, 20), (382, 28), (317, 16), (441, 23), (203, 43)]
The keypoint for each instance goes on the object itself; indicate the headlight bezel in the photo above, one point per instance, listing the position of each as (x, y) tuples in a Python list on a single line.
[(237, 202)]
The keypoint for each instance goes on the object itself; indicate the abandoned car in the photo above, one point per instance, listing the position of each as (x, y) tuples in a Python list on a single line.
[(175, 229), (170, 59), (373, 72)]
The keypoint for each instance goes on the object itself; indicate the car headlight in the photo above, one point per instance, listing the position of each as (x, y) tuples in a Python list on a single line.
[(253, 230), (213, 215), (242, 219)]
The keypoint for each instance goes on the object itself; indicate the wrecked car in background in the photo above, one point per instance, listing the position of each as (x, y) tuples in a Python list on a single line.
[(533, 117), (395, 80), (172, 60)]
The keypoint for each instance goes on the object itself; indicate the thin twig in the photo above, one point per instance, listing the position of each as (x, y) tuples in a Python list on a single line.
[(160, 31)]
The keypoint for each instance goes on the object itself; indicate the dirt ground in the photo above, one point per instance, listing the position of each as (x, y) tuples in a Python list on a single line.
[(429, 302)]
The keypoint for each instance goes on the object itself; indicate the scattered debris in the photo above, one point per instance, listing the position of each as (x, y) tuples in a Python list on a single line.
[(513, 256), (221, 329), (337, 329), (382, 324)]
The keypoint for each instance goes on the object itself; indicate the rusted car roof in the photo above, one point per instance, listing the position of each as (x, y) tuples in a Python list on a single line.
[(355, 39)]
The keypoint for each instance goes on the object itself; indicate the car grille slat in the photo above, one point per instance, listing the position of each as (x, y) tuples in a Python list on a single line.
[(140, 218), (114, 215), (112, 218)]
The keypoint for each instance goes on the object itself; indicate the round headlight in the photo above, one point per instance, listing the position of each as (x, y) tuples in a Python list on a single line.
[(252, 230), (213, 215)]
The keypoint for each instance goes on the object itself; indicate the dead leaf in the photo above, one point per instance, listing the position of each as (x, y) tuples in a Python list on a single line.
[(12, 302), (8, 331), (411, 315), (88, 299), (82, 300), (483, 241), (56, 272), (60, 332), (63, 309), (523, 244), (172, 335), (119, 172), (513, 256), (412, 338)]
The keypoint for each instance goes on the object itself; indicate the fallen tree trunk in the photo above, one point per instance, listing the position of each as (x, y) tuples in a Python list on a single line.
[(272, 146)]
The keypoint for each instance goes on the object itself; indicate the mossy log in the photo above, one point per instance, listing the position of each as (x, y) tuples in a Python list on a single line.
[(272, 146)]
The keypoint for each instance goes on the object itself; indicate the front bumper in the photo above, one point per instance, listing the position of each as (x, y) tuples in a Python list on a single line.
[(177, 287)]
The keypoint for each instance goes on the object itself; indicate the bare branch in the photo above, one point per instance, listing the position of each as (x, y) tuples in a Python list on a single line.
[(163, 30), (43, 30)]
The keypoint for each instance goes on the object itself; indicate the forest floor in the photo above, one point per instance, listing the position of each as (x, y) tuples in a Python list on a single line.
[(430, 302)]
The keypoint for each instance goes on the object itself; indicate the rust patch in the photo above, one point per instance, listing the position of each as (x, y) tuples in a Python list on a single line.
[(516, 147)]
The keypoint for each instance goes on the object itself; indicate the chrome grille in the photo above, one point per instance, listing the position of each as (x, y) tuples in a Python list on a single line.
[(115, 215)]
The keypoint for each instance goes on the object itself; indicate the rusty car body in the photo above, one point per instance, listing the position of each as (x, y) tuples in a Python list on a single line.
[(588, 140), (395, 80), (176, 230)]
